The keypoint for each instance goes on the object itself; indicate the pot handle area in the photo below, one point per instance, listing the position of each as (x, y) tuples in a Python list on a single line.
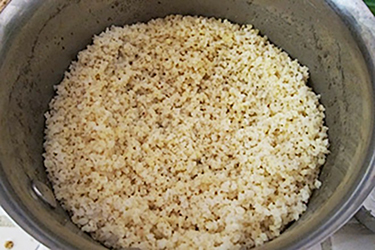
[(366, 214)]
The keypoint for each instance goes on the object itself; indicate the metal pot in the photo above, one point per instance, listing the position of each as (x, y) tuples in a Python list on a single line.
[(334, 38)]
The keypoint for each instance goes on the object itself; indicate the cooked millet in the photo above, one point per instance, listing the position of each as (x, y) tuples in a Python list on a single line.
[(184, 133)]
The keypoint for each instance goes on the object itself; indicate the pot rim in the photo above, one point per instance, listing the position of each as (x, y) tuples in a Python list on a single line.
[(360, 22)]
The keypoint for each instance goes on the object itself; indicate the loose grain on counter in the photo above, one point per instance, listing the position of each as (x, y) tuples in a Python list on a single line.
[(3, 3), (184, 133)]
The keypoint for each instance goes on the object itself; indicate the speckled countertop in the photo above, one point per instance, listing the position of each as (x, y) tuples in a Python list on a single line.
[(352, 236)]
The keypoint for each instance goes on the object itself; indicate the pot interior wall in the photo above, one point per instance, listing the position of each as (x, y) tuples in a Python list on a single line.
[(39, 46)]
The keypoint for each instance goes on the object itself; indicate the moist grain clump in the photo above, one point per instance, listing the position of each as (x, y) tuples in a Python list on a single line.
[(184, 133)]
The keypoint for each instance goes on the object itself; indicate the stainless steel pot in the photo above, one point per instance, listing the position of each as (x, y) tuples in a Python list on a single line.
[(334, 38)]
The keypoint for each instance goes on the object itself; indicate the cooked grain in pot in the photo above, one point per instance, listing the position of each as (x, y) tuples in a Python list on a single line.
[(184, 133)]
